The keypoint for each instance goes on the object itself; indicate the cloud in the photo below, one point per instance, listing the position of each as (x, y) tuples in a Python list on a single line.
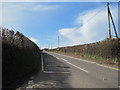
[(44, 7), (20, 0), (33, 39), (29, 6), (11, 12), (60, 0), (89, 30), (66, 31)]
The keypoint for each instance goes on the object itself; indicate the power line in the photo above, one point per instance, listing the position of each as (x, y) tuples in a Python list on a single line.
[(92, 17), (95, 15), (99, 12), (88, 19)]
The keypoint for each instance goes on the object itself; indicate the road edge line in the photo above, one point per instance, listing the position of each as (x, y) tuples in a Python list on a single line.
[(90, 62), (74, 65), (42, 62)]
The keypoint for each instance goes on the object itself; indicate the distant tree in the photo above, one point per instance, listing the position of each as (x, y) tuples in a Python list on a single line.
[(11, 37)]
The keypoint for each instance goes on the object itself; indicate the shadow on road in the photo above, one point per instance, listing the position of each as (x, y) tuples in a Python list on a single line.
[(56, 74)]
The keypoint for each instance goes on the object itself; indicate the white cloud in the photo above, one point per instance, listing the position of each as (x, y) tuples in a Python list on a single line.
[(91, 30), (14, 14), (60, 0), (29, 6), (66, 31), (33, 39), (20, 0), (44, 7)]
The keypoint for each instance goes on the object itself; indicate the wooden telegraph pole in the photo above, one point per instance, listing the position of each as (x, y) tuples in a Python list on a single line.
[(109, 21), (114, 25), (110, 16)]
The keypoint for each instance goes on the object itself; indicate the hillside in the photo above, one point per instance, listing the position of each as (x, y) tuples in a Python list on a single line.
[(104, 51)]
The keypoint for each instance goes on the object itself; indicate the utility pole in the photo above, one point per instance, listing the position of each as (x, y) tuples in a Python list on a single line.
[(113, 25), (109, 21), (110, 16), (51, 45), (58, 42), (48, 46)]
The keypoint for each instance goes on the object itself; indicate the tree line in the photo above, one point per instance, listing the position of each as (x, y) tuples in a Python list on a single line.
[(17, 39), (20, 56)]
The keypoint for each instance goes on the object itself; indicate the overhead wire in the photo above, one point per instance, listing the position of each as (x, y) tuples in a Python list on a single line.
[(92, 17), (95, 15)]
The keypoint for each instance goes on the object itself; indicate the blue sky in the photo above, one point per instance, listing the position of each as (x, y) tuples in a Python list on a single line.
[(44, 22)]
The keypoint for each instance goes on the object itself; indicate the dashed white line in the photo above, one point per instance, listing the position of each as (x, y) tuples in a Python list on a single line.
[(57, 58), (70, 64), (64, 59), (74, 65), (78, 67), (55, 72), (42, 61), (49, 71), (89, 62)]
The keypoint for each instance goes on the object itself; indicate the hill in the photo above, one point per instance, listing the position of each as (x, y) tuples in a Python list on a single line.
[(104, 51)]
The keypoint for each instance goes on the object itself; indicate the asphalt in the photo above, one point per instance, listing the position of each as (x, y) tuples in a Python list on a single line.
[(60, 71)]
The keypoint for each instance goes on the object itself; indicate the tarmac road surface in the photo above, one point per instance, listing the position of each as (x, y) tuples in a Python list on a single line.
[(60, 71)]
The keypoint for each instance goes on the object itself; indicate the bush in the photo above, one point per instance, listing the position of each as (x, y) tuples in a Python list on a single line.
[(104, 49), (19, 56)]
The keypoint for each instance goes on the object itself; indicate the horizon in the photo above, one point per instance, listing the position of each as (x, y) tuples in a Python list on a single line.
[(44, 22)]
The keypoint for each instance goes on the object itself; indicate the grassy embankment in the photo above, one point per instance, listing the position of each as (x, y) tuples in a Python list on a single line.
[(104, 51)]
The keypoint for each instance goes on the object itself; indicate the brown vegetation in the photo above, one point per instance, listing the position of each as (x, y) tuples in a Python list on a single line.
[(19, 56), (103, 50)]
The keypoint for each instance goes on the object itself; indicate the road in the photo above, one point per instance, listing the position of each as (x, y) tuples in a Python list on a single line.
[(60, 71)]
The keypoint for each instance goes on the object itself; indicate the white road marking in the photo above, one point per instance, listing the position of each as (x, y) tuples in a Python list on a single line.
[(74, 65), (64, 59), (107, 66), (55, 72), (56, 65), (68, 63), (42, 61), (75, 58), (77, 67), (48, 71), (89, 62), (57, 58)]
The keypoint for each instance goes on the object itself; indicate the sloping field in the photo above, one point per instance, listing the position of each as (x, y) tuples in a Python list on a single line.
[(104, 50)]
